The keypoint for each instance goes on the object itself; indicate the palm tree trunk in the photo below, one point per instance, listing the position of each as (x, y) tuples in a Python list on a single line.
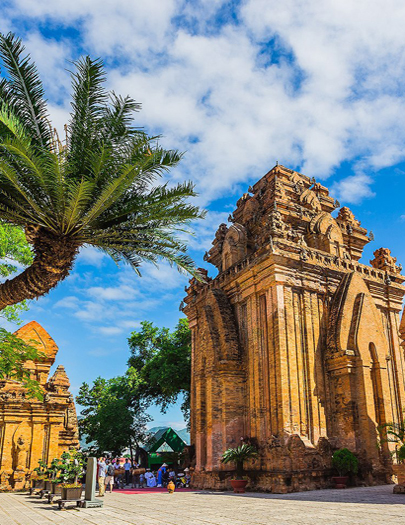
[(54, 257)]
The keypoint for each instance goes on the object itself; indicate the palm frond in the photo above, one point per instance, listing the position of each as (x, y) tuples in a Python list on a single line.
[(24, 90), (118, 118), (79, 198), (89, 100)]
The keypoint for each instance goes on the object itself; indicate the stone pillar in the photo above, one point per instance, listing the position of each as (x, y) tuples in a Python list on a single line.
[(90, 490)]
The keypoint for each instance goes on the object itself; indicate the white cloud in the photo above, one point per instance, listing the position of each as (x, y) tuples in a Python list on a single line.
[(91, 256), (327, 89), (111, 293), (111, 26), (353, 189), (109, 330), (205, 230), (70, 302), (129, 323)]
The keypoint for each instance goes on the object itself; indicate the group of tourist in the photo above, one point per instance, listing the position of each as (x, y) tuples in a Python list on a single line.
[(112, 473)]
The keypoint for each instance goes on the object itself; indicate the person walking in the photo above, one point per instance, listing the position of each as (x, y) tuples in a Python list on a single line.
[(109, 480), (102, 470)]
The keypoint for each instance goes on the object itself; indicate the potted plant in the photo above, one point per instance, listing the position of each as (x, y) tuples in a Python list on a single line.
[(71, 468), (54, 470), (238, 456), (38, 478), (345, 462), (395, 433)]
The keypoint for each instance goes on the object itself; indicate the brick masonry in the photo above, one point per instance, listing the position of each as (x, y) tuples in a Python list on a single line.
[(31, 429), (296, 344)]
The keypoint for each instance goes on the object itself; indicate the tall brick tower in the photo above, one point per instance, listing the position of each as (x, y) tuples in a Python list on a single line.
[(295, 343)]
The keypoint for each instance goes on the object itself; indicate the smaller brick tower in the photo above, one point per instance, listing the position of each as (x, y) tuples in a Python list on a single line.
[(31, 429), (295, 343)]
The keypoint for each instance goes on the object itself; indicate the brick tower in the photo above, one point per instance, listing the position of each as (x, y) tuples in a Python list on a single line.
[(295, 343), (33, 429)]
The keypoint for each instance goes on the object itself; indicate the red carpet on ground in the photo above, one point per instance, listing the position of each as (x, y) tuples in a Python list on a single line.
[(153, 490)]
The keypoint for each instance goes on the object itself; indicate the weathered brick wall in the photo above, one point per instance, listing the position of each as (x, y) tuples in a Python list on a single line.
[(295, 343)]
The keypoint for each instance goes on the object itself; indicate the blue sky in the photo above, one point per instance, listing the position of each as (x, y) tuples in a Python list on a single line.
[(317, 86)]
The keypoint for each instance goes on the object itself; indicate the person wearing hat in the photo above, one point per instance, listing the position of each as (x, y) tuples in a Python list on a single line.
[(165, 477), (150, 479), (187, 476), (160, 474)]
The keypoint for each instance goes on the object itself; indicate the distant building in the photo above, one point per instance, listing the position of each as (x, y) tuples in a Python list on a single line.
[(164, 446), (30, 429), (295, 343)]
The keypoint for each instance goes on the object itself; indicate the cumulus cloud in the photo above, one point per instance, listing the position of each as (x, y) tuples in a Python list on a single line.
[(117, 305), (205, 230), (91, 256), (109, 330), (353, 189), (241, 85)]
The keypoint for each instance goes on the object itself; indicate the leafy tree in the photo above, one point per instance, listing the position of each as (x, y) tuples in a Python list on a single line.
[(111, 417), (14, 252), (99, 187), (162, 360), (14, 354)]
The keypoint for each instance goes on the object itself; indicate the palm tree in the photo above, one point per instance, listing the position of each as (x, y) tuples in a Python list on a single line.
[(395, 433), (238, 456), (97, 188)]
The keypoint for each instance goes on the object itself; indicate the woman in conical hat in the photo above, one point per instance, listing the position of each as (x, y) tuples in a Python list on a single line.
[(160, 474)]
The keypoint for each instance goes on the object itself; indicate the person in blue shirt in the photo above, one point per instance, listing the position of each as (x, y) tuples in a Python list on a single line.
[(127, 468)]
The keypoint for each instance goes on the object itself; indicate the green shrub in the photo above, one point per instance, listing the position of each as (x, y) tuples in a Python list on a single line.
[(345, 462), (238, 456)]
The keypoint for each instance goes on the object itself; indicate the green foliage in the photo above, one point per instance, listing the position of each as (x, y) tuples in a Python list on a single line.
[(395, 433), (70, 467), (162, 361), (14, 353), (14, 253), (65, 469), (41, 469), (238, 456), (112, 417), (54, 469), (345, 462), (100, 186)]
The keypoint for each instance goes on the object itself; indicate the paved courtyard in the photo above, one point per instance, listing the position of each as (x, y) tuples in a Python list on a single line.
[(372, 505)]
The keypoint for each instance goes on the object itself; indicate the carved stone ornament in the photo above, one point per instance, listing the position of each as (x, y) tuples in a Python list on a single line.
[(276, 224), (21, 451), (383, 260), (345, 214)]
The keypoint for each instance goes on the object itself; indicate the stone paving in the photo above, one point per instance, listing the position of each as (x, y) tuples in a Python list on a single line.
[(370, 505)]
